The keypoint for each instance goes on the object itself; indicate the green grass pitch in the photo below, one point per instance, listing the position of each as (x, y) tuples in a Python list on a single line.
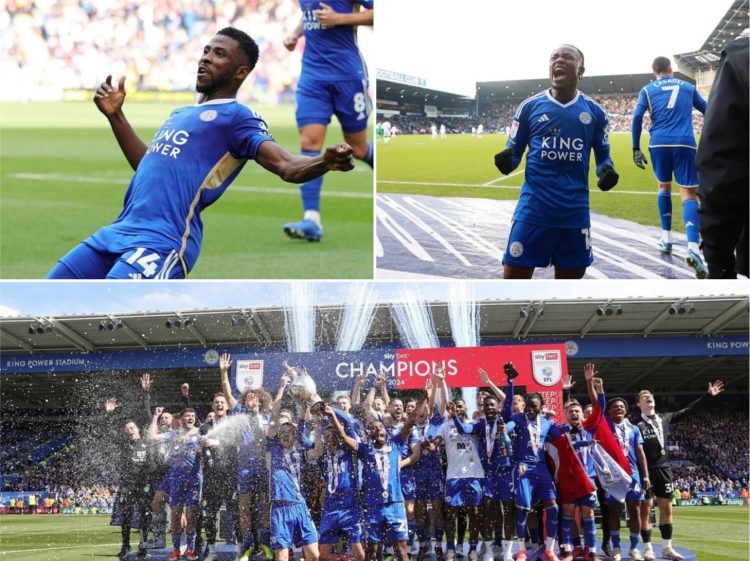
[(62, 176), (463, 166), (714, 533)]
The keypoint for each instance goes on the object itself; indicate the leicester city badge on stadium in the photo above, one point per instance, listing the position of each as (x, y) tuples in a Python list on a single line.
[(249, 375), (585, 117), (546, 366)]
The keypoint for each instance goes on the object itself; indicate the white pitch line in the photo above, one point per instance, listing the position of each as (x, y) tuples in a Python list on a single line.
[(291, 190), (422, 225), (56, 548), (509, 187), (406, 239), (504, 177)]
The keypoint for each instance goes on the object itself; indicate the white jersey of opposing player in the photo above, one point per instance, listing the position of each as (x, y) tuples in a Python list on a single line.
[(387, 131), (433, 129), (473, 131), (480, 130), (461, 452), (442, 131)]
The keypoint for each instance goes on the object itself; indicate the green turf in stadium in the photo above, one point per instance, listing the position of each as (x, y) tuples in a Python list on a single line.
[(463, 166), (715, 533), (62, 176)]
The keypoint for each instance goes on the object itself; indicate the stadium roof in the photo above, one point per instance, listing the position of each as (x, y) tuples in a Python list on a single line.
[(732, 25), (404, 93), (513, 321)]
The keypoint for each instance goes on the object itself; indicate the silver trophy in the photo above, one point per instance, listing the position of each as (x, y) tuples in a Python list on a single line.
[(302, 388)]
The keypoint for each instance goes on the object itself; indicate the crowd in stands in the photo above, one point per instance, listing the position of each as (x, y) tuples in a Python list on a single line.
[(498, 117), (715, 439), (51, 45)]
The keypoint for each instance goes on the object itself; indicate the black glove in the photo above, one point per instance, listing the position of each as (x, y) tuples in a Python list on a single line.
[(504, 161), (639, 158), (607, 178)]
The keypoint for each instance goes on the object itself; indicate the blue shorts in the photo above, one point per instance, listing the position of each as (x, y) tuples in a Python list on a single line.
[(588, 500), (498, 485), (387, 522), (252, 480), (679, 160), (163, 486), (532, 486), (408, 484), (531, 246), (635, 492), (291, 525), (466, 491), (185, 490), (429, 485), (317, 100), (86, 262), (337, 524)]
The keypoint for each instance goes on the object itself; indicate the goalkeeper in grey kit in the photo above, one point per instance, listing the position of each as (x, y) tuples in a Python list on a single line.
[(560, 126)]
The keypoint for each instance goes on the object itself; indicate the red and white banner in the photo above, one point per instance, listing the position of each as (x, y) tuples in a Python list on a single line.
[(540, 367)]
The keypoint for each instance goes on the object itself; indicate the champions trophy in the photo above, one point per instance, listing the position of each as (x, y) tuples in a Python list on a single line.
[(303, 390)]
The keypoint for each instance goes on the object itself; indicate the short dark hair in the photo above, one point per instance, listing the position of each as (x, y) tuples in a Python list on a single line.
[(535, 395), (186, 411), (612, 401), (579, 51), (247, 44), (660, 64)]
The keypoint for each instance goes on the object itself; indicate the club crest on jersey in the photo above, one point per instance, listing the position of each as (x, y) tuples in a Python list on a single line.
[(585, 117), (513, 129), (516, 249), (208, 115)]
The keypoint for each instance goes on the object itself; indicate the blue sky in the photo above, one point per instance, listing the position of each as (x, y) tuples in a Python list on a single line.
[(31, 298)]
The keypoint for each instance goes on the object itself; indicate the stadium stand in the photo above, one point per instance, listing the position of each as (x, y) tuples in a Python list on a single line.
[(58, 45)]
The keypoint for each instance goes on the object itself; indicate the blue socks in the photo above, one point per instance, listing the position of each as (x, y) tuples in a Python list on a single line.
[(690, 215), (589, 533), (370, 157), (311, 190), (551, 515), (664, 204)]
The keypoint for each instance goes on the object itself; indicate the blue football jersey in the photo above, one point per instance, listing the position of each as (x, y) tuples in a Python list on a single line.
[(560, 138), (285, 472), (331, 53), (670, 102), (381, 474), (191, 161), (528, 438)]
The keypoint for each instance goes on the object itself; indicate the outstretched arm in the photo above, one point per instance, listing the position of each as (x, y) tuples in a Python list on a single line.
[(357, 389), (299, 169), (109, 101), (225, 363), (499, 394), (348, 440)]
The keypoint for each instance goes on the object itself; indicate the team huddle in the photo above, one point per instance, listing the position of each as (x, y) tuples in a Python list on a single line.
[(367, 477)]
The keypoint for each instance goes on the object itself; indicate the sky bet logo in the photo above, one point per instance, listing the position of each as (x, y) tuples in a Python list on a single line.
[(561, 148), (165, 142), (546, 355)]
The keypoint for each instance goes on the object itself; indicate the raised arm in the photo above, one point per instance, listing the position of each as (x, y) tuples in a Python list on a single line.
[(153, 432), (299, 169), (438, 379), (382, 382), (589, 373), (499, 394), (109, 101), (357, 389), (348, 440), (273, 426), (145, 399), (225, 363)]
